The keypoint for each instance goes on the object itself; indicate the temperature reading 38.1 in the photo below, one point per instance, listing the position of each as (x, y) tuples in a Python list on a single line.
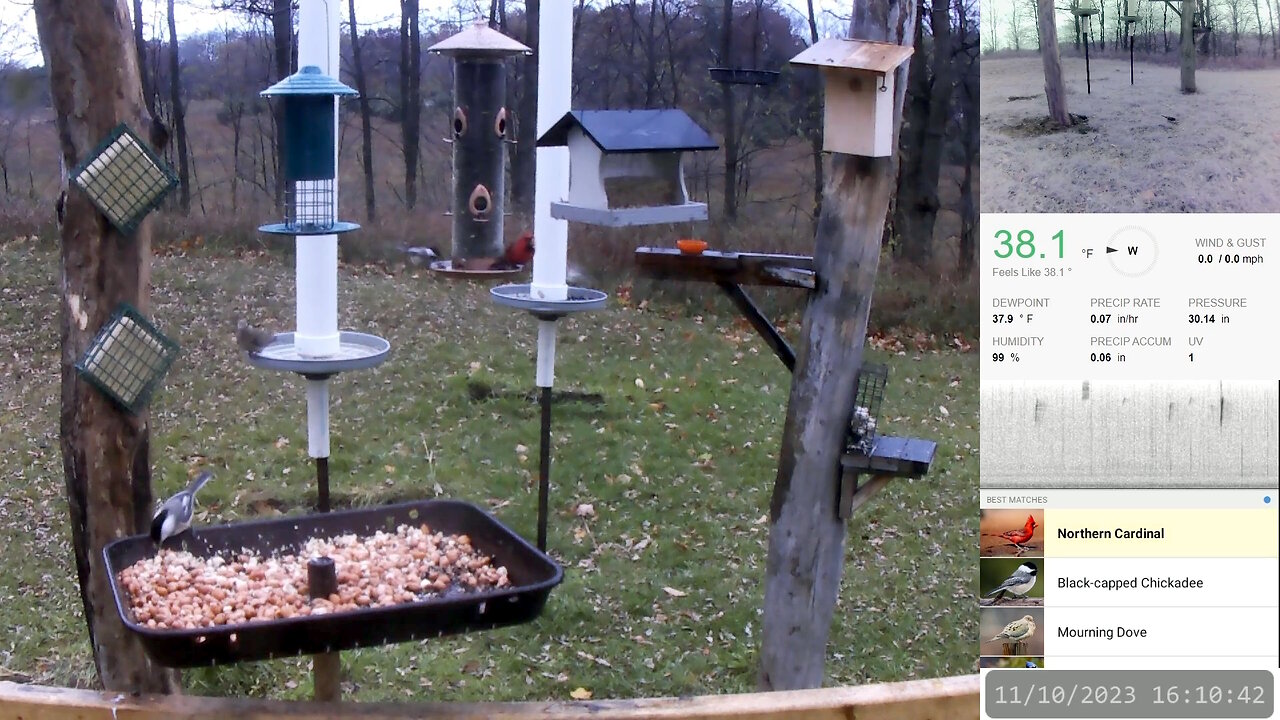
[(1023, 244)]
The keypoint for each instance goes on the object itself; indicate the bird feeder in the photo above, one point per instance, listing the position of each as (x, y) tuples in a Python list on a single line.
[(627, 145), (1130, 14), (124, 179), (308, 145), (127, 358), (1084, 8), (858, 80), (480, 126)]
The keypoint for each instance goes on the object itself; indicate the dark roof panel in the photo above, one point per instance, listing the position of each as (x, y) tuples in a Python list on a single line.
[(632, 130)]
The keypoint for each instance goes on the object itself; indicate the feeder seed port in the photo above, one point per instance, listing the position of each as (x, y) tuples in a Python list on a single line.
[(500, 123), (481, 202), (459, 122)]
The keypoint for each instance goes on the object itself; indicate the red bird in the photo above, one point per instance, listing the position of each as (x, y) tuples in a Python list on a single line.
[(517, 253), (1016, 538)]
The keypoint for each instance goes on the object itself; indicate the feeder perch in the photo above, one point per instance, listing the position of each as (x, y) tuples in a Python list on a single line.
[(479, 136), (744, 76), (308, 145), (127, 358), (124, 179), (626, 144), (858, 80)]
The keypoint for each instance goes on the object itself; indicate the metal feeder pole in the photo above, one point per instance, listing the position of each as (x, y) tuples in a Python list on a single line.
[(326, 668), (1088, 83), (1130, 58), (546, 377)]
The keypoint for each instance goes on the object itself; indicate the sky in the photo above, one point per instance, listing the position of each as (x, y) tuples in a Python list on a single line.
[(194, 16)]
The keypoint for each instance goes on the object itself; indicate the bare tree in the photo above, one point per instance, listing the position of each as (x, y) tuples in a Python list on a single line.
[(522, 160), (410, 96), (730, 119), (366, 115), (814, 130), (1055, 90), (95, 85), (179, 116)]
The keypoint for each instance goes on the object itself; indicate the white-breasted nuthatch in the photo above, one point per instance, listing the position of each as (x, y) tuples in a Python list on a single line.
[(174, 516), (251, 339)]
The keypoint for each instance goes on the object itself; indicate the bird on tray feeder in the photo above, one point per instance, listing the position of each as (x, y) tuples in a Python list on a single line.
[(858, 80), (308, 145)]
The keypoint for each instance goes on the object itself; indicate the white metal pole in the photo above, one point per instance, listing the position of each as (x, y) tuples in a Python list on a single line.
[(551, 181), (317, 255)]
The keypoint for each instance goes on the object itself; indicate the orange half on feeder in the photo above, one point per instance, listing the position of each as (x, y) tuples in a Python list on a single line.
[(691, 247)]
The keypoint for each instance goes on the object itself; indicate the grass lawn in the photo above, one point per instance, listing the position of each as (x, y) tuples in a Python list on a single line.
[(678, 463)]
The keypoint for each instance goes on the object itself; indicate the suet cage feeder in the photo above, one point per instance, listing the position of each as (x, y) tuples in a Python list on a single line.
[(858, 82), (308, 145), (124, 179), (868, 397), (128, 358), (645, 146)]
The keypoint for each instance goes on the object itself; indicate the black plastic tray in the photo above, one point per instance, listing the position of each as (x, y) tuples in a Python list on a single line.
[(532, 575)]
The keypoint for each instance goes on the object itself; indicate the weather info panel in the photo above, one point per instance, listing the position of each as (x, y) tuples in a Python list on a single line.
[(1128, 538)]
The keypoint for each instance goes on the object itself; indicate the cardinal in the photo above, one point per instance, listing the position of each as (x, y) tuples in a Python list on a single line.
[(1016, 538), (521, 252)]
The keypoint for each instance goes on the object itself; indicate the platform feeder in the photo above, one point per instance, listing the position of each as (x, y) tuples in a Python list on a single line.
[(480, 128), (858, 78), (630, 145)]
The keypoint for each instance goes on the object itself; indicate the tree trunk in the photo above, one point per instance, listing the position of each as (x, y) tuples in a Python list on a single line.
[(971, 117), (179, 116), (806, 538), (1055, 90), (410, 97), (95, 85), (815, 131), (522, 161), (366, 119), (282, 41), (140, 42), (1188, 47), (730, 121)]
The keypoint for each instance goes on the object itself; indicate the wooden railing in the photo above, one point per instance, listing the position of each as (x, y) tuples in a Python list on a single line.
[(938, 699)]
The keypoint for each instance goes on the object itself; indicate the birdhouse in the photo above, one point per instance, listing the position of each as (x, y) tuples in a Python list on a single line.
[(480, 128), (858, 81), (627, 149), (309, 149)]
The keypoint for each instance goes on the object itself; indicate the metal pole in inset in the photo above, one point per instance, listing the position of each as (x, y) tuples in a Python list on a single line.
[(1130, 58), (1088, 83), (326, 668), (545, 380)]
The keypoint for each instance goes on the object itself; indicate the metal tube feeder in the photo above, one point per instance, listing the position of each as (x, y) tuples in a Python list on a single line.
[(479, 128)]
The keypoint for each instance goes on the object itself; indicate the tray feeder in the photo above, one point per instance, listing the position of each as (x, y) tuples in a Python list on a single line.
[(480, 130), (866, 450), (124, 179), (1084, 8), (532, 575), (858, 82), (627, 144), (308, 140), (128, 358)]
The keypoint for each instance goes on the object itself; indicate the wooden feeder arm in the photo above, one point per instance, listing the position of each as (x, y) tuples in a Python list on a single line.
[(891, 456)]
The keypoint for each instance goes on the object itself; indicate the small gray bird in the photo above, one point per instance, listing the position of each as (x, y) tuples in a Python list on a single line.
[(174, 516), (1019, 583), (251, 339), (1018, 630)]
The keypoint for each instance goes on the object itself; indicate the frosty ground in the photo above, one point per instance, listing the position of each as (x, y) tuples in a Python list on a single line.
[(1221, 155)]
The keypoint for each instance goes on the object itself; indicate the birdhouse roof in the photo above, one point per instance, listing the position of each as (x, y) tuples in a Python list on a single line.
[(864, 55), (308, 81), (479, 39), (624, 131)]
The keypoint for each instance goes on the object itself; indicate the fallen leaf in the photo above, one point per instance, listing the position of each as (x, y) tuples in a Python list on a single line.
[(282, 443), (585, 510), (944, 411), (639, 383), (521, 449), (389, 468), (580, 694), (674, 592)]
